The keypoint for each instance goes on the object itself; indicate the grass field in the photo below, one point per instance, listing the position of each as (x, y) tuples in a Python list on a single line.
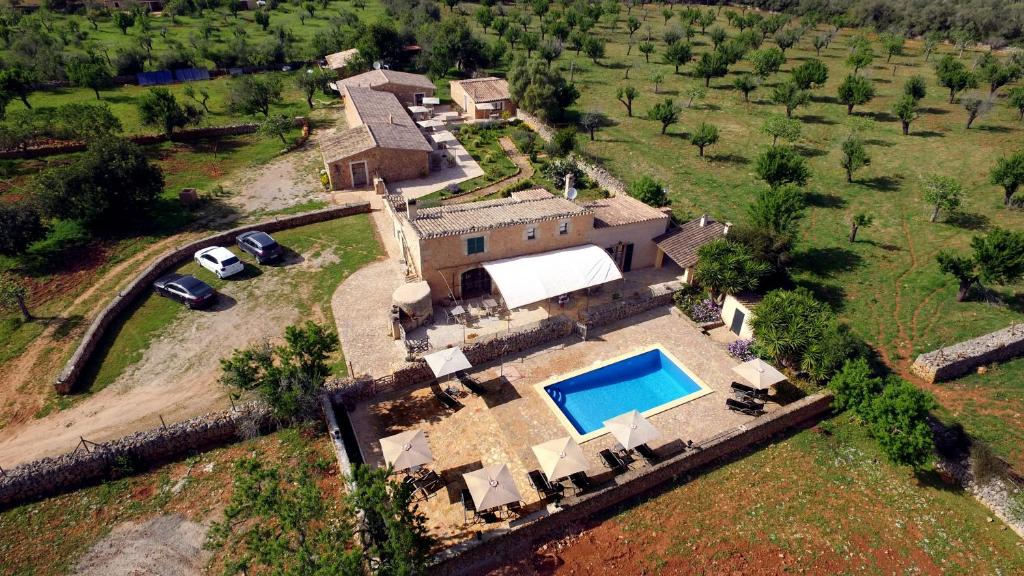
[(344, 245), (887, 285), (823, 501), (49, 537)]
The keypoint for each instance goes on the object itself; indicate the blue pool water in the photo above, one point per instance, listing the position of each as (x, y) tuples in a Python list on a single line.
[(639, 382)]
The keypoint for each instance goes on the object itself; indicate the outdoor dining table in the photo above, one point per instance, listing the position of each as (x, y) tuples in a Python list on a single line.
[(457, 312), (490, 304)]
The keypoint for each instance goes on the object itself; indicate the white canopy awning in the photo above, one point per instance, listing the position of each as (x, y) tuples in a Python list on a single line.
[(527, 279), (447, 361), (418, 109), (431, 100), (487, 106), (759, 373)]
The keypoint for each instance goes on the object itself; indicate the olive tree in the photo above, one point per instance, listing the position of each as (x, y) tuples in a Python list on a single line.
[(943, 194)]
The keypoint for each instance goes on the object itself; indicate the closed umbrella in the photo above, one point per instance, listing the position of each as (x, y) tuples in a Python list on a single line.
[(407, 449), (759, 373), (492, 486), (632, 429), (560, 458), (447, 361)]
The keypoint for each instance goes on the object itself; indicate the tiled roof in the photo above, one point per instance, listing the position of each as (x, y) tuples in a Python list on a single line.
[(380, 77), (532, 194), (376, 107), (346, 143), (490, 214), (488, 89), (681, 244), (399, 137), (338, 60), (620, 210)]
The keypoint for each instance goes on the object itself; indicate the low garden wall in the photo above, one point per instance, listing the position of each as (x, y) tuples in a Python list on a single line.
[(654, 297), (959, 359), (142, 283), (478, 557), (186, 135), (92, 463)]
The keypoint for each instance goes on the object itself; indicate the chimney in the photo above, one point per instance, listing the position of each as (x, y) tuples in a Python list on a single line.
[(725, 231), (570, 181), (391, 119), (703, 220), (410, 209)]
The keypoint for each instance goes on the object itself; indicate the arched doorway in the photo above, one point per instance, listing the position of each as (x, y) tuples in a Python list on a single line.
[(475, 282)]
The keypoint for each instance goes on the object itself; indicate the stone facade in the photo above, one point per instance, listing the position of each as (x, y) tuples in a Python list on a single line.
[(390, 164), (50, 476), (956, 360), (480, 556), (656, 296), (143, 282)]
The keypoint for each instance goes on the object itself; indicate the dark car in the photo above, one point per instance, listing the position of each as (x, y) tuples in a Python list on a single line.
[(186, 289), (260, 245)]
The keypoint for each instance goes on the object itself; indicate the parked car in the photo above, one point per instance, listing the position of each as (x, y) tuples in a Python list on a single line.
[(260, 245), (186, 289), (220, 261)]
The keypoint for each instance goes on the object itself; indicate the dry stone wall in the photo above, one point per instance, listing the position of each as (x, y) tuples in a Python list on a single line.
[(654, 297), (956, 360), (97, 462), (142, 283)]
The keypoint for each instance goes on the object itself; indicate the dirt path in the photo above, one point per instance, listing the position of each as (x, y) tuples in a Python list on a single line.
[(522, 163), (161, 546)]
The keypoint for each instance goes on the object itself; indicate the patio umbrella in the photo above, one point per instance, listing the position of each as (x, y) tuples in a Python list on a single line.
[(406, 449), (447, 361), (631, 429), (560, 458), (759, 373), (492, 486)]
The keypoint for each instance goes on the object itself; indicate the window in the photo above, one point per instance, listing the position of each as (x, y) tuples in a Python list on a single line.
[(531, 233), (475, 245), (563, 228)]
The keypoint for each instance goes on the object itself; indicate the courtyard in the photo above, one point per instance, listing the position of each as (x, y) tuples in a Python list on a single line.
[(501, 425)]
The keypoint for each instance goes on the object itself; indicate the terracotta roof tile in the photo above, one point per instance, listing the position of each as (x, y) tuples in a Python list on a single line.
[(681, 244), (621, 210), (346, 143), (372, 106), (381, 77), (532, 194), (339, 60), (490, 214), (488, 89)]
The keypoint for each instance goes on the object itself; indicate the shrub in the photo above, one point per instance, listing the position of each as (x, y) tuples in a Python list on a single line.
[(649, 191), (19, 226), (558, 168), (898, 419), (854, 386), (525, 140), (62, 236), (743, 349), (563, 142)]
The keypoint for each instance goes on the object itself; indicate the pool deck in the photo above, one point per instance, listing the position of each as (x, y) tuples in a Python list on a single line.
[(500, 427)]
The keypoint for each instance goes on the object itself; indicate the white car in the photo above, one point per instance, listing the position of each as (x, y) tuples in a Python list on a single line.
[(220, 261)]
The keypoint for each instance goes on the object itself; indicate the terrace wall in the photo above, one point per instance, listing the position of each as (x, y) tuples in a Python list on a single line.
[(956, 360), (68, 377), (631, 305), (477, 557), (92, 463)]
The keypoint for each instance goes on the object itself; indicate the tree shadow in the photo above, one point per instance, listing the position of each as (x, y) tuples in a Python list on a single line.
[(927, 134), (832, 294), (994, 128), (614, 65), (824, 200), (663, 92), (708, 106), (824, 99), (827, 262), (933, 110), (968, 220), (877, 116), (878, 142), (882, 245), (809, 152), (817, 119), (729, 158), (882, 183)]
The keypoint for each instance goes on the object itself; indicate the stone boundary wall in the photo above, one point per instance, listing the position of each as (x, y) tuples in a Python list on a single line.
[(477, 557), (186, 135), (346, 392), (68, 377), (655, 296), (956, 360), (97, 462), (599, 175)]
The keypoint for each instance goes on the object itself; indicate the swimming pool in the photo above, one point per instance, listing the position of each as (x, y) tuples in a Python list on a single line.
[(649, 381)]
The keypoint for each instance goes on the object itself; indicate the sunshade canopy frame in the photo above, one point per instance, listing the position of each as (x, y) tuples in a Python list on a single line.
[(560, 457), (631, 429), (492, 486), (447, 361), (406, 449), (759, 374), (524, 280)]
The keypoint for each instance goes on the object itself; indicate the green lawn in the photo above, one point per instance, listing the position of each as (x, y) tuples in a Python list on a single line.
[(824, 501), (51, 536), (887, 285), (343, 245)]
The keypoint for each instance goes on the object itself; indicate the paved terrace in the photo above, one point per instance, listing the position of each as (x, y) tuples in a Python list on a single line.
[(502, 426)]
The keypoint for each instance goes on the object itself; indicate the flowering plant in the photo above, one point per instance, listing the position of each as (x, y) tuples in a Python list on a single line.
[(742, 349)]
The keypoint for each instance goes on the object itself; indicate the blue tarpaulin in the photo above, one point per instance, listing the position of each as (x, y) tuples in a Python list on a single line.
[(191, 74), (158, 77)]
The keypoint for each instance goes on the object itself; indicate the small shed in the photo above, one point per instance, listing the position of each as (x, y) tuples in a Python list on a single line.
[(482, 98), (737, 310)]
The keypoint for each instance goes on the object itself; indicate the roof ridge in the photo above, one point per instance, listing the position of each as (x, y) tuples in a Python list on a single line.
[(370, 132)]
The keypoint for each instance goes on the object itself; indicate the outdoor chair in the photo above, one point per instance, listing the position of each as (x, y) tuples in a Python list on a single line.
[(744, 390), (429, 483), (580, 480), (541, 484), (647, 452), (468, 506), (612, 460), (748, 408), (514, 509)]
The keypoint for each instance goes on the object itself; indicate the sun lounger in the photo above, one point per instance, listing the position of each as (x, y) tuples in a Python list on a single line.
[(470, 384), (647, 452), (542, 485), (446, 399), (612, 460), (743, 390), (749, 408), (580, 480)]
